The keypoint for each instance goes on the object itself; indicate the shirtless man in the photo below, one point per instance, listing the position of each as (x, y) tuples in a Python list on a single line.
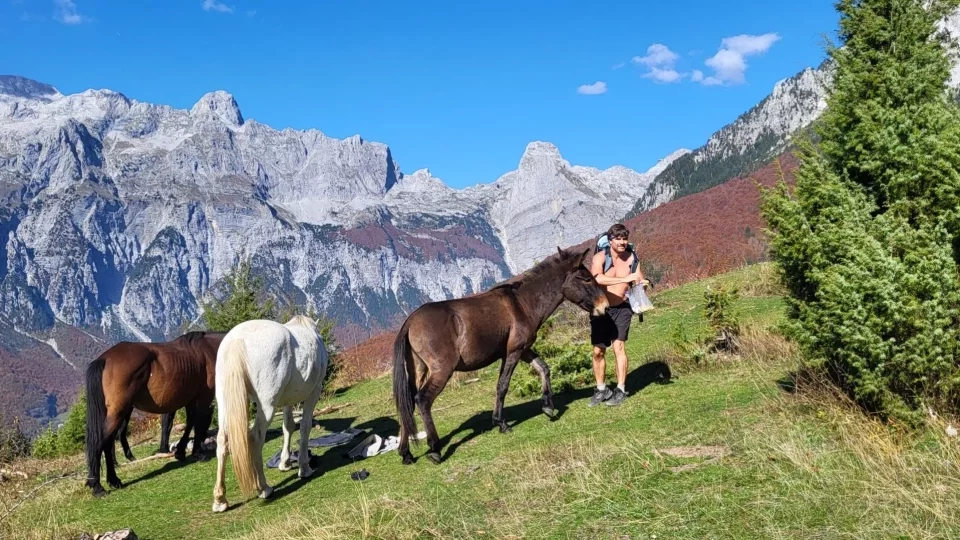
[(612, 328)]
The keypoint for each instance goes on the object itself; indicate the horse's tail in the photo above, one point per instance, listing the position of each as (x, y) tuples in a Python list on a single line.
[(403, 383), (96, 415), (234, 406)]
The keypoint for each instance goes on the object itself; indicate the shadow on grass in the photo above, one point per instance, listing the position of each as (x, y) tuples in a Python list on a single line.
[(334, 457), (637, 380)]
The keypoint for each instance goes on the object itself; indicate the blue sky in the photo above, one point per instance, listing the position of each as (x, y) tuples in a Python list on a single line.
[(456, 87)]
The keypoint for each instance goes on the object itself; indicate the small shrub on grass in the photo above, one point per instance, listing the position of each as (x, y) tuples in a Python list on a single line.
[(14, 443), (67, 440), (722, 318)]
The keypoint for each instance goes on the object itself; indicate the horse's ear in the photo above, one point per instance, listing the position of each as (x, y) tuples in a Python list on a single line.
[(583, 256), (560, 251)]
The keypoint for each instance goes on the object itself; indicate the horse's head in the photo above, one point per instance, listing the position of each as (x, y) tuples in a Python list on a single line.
[(580, 287)]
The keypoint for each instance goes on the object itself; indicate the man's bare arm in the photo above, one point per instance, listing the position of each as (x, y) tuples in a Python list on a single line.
[(596, 268)]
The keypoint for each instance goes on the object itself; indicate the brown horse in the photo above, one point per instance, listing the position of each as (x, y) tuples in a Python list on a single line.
[(157, 378), (466, 334)]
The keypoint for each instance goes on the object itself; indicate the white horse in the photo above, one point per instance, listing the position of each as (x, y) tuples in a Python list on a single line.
[(278, 365)]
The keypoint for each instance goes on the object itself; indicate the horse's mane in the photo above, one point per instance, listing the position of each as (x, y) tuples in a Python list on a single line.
[(543, 267), (191, 338), (301, 320)]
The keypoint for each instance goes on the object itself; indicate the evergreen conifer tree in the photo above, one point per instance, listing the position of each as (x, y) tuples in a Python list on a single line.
[(869, 242)]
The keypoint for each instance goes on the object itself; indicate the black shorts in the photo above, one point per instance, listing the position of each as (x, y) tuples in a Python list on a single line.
[(614, 324)]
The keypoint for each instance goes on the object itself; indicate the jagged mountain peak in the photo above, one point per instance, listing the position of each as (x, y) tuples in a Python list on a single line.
[(220, 104), (665, 162), (421, 180), (24, 88), (542, 148)]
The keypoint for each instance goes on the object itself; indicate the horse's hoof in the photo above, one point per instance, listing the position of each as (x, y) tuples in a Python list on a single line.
[(266, 493), (201, 456), (99, 492), (408, 460), (220, 506), (505, 428), (180, 456), (129, 456), (305, 473), (550, 412), (115, 483), (434, 457)]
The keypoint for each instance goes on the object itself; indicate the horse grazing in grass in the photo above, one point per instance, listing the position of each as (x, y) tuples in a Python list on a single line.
[(470, 333), (157, 378), (279, 365)]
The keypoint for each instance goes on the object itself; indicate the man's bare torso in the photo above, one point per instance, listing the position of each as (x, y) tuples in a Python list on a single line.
[(616, 294)]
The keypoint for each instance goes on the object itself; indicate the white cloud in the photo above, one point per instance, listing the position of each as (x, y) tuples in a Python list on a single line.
[(619, 65), (598, 87), (660, 59), (213, 5), (729, 64), (663, 75), (251, 12), (66, 13), (658, 55)]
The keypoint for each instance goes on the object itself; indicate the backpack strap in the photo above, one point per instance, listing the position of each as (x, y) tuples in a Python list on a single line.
[(608, 259)]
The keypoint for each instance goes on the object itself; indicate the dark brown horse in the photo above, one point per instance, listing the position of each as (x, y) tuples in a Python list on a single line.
[(157, 378), (466, 334)]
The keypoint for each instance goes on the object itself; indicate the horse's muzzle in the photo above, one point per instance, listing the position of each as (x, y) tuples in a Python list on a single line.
[(600, 306)]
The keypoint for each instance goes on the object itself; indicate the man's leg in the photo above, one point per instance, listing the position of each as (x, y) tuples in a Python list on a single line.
[(621, 353), (600, 365), (602, 393), (622, 319), (600, 337)]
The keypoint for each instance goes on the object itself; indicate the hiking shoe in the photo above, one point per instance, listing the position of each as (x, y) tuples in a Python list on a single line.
[(617, 398), (599, 396)]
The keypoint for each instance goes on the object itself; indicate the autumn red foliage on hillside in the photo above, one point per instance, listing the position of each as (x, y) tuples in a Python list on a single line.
[(707, 233)]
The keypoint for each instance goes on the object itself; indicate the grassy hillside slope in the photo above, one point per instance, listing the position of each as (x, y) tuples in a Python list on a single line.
[(720, 450)]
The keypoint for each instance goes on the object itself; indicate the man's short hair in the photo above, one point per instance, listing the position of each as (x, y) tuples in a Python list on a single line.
[(618, 230)]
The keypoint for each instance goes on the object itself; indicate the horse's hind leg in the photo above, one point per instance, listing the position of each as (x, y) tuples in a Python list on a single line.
[(544, 371), (425, 397), (219, 488), (127, 453), (113, 425), (306, 424), (288, 425), (264, 416)]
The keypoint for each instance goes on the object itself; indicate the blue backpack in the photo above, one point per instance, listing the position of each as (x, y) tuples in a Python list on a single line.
[(603, 243)]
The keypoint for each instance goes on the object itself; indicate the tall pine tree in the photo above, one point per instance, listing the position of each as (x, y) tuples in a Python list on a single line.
[(869, 242), (241, 298)]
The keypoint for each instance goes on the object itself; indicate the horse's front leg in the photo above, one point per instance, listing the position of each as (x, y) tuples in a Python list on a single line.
[(181, 452), (503, 384), (544, 370), (288, 425)]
